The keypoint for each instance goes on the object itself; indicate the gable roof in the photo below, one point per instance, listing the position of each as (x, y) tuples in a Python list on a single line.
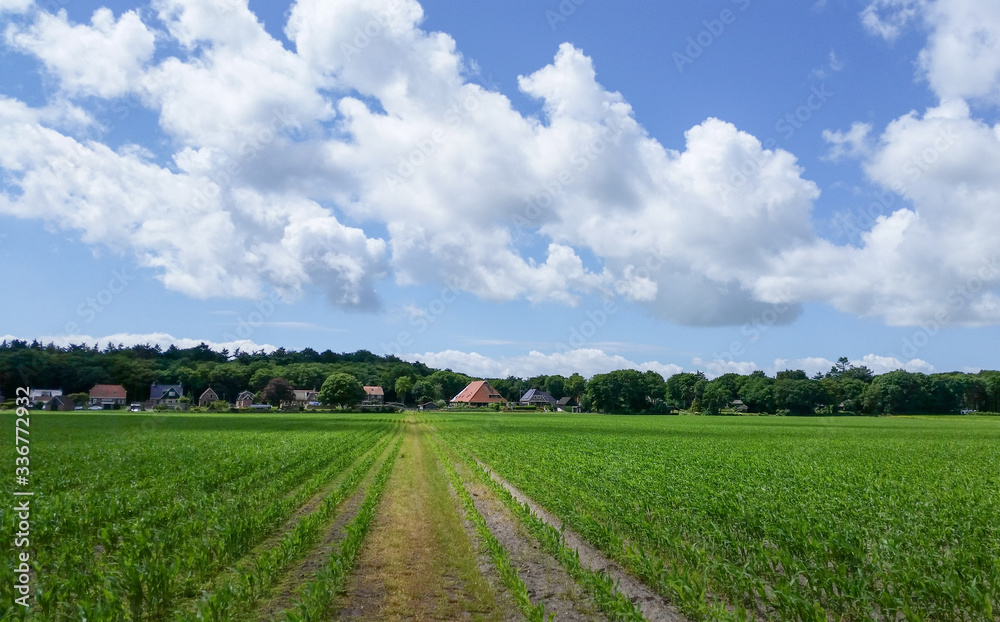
[(156, 391), (245, 395), (374, 391), (478, 392), (108, 391), (43, 395), (565, 401), (63, 399), (537, 395), (209, 394), (305, 395)]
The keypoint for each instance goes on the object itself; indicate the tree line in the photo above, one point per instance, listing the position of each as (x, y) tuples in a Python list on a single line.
[(844, 389)]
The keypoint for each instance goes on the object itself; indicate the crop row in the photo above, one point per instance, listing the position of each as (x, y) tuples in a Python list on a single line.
[(797, 520), (194, 496)]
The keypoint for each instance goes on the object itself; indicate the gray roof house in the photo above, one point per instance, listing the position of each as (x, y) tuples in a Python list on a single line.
[(165, 393), (537, 397)]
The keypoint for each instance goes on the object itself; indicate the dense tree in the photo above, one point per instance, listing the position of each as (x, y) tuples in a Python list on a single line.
[(574, 386), (622, 391), (799, 396), (683, 389), (404, 384), (76, 368), (791, 374), (758, 394), (278, 390), (340, 389), (715, 397), (897, 392)]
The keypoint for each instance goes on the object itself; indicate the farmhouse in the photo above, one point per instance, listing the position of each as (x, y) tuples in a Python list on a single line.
[(374, 396), (208, 397), (60, 402), (537, 397), (40, 397), (165, 394), (567, 405), (107, 396), (305, 397), (478, 393), (244, 400)]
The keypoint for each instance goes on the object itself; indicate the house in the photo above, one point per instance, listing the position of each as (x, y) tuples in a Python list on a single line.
[(107, 396), (739, 406), (478, 393), (40, 397), (304, 397), (428, 406), (208, 397), (165, 394), (536, 397), (567, 405), (374, 396), (60, 402), (244, 400)]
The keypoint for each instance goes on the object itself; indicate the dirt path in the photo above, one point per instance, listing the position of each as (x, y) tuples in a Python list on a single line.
[(547, 581), (418, 562), (286, 592), (654, 607)]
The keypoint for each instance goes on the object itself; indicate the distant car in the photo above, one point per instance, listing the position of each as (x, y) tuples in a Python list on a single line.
[(78, 408), (96, 408)]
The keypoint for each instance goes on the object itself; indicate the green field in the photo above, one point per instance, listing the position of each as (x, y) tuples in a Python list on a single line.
[(802, 517), (201, 516)]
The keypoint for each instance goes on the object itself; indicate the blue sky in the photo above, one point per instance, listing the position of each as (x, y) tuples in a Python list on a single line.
[(508, 188)]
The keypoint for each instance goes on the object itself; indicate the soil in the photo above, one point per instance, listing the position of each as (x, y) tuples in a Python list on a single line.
[(287, 591), (418, 562), (654, 607)]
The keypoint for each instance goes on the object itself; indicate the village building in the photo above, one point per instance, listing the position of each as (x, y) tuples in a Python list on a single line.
[(168, 395), (374, 396), (244, 400), (567, 405), (60, 402), (107, 396), (304, 398), (478, 393), (537, 397), (38, 398), (208, 397)]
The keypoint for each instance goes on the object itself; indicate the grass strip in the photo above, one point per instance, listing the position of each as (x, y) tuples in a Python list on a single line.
[(316, 596), (250, 584), (598, 583), (498, 553)]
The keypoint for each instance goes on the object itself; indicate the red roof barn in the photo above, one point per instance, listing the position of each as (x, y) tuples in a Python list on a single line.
[(478, 393), (107, 395)]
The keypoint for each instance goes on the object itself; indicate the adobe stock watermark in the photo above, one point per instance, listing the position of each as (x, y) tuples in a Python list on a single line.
[(120, 110), (957, 299), (371, 30), (580, 161), (852, 225), (714, 28), (252, 144), (756, 328), (598, 317), (787, 125), (455, 116), (562, 12), (99, 301), (855, 223), (248, 324), (423, 319)]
